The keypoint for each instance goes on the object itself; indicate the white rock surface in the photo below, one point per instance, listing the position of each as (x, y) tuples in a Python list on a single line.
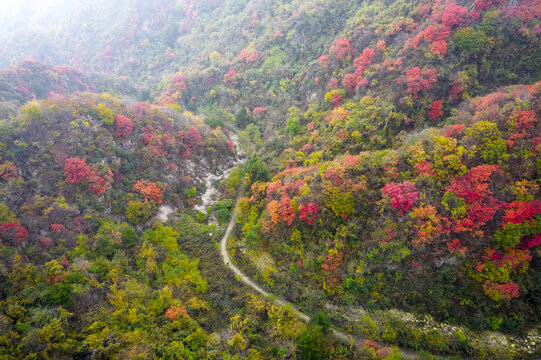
[(210, 195)]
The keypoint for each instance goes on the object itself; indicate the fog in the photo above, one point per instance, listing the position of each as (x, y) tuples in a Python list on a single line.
[(49, 30), (99, 35), (28, 14)]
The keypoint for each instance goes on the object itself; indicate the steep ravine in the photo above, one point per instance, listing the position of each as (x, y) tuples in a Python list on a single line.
[(209, 196)]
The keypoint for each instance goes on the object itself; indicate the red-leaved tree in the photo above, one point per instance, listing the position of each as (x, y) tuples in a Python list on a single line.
[(76, 170), (192, 138), (420, 80), (437, 35), (402, 195), (258, 111), (363, 62), (97, 182), (248, 56), (149, 190), (350, 82), (286, 210), (124, 126), (455, 15), (8, 171), (13, 234), (308, 212), (342, 49), (436, 109), (333, 83)]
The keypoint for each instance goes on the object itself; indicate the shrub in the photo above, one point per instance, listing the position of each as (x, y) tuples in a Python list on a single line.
[(470, 42)]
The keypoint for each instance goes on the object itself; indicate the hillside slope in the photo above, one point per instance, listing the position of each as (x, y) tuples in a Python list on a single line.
[(393, 177)]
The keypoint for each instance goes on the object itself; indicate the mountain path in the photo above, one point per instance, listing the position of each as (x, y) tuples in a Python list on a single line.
[(339, 335)]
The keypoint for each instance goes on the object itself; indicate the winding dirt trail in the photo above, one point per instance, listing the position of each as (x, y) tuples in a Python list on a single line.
[(339, 335)]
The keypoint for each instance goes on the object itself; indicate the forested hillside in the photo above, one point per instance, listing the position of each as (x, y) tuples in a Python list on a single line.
[(384, 158)]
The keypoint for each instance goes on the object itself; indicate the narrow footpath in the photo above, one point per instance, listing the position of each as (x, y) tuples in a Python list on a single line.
[(339, 335)]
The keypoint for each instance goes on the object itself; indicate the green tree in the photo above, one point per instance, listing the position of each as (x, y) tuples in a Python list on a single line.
[(139, 212), (311, 342), (6, 215), (59, 294), (257, 170), (129, 238), (470, 42), (243, 118), (322, 319)]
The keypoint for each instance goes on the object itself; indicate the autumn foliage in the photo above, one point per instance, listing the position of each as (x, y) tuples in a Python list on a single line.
[(342, 49), (499, 292), (13, 234), (349, 82), (259, 111), (436, 110), (98, 182), (192, 138), (419, 80), (308, 212), (8, 171), (354, 193), (124, 126), (152, 139), (177, 313), (150, 191), (76, 170), (402, 195), (455, 15), (248, 55), (363, 62), (437, 36)]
